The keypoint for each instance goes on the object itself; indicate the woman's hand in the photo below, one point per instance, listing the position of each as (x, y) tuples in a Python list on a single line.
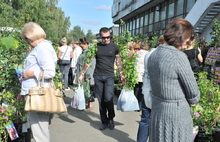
[(28, 74), (20, 97), (192, 105), (80, 78)]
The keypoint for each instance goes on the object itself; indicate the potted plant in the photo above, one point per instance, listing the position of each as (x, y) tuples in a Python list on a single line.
[(206, 112)]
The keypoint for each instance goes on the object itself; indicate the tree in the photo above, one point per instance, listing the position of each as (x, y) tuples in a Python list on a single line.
[(15, 13), (90, 36), (76, 33)]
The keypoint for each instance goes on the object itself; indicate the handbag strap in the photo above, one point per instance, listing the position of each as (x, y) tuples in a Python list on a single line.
[(195, 55), (42, 72), (65, 52)]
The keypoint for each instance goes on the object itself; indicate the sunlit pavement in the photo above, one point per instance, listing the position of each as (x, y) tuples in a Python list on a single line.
[(83, 126)]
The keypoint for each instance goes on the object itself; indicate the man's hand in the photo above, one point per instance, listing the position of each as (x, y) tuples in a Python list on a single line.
[(20, 97), (192, 105), (28, 74), (80, 78), (123, 79)]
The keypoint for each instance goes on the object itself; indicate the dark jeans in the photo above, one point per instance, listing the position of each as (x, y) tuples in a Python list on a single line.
[(64, 73), (138, 92), (144, 123), (104, 90)]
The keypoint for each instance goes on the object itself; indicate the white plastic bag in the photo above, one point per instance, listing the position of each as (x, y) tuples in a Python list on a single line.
[(127, 101), (146, 90), (78, 100)]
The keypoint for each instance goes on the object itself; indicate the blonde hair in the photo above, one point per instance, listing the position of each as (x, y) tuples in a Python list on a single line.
[(75, 42), (144, 45), (63, 40), (32, 31), (130, 45)]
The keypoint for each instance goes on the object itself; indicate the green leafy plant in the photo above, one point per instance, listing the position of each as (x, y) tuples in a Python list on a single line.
[(152, 41), (12, 54), (207, 110), (91, 52), (215, 34)]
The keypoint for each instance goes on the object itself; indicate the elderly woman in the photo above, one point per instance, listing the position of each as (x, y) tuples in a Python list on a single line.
[(140, 69), (174, 88), (42, 57), (131, 45), (65, 53)]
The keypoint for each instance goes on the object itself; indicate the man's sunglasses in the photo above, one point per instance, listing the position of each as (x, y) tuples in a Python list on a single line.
[(108, 37)]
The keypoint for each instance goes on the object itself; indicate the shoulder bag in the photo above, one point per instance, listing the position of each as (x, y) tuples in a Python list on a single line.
[(43, 99), (193, 62), (146, 89), (64, 62)]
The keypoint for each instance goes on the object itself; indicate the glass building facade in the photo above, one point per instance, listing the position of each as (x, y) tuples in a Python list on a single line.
[(155, 19)]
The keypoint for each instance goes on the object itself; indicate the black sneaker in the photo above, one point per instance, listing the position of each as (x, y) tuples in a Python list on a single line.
[(111, 124), (104, 126)]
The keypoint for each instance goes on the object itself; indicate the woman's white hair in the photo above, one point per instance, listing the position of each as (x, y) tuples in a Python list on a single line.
[(32, 31)]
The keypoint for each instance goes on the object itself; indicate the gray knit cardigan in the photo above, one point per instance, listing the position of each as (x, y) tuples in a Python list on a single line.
[(174, 88)]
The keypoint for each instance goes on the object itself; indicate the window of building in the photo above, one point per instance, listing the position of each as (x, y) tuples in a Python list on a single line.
[(163, 13), (141, 21), (127, 26), (137, 24), (130, 25), (133, 24), (171, 10), (157, 15), (119, 6), (151, 18), (150, 28), (146, 20), (141, 24), (190, 4), (180, 4)]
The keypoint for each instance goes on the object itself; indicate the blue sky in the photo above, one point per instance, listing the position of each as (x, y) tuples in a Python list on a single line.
[(88, 14)]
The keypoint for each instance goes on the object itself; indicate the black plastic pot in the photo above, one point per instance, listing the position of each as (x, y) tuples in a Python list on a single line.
[(202, 136), (216, 135)]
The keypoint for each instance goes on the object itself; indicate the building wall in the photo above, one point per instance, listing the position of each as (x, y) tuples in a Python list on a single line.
[(150, 16)]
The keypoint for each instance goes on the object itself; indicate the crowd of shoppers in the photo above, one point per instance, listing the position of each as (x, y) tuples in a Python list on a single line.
[(166, 114)]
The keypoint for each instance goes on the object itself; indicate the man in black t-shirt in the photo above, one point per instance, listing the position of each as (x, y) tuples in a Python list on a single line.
[(104, 77)]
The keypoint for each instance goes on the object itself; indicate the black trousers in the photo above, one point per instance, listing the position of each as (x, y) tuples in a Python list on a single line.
[(138, 93), (104, 90)]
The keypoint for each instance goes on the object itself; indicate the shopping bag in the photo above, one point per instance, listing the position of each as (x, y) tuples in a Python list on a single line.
[(19, 74), (86, 91), (127, 101), (147, 91), (78, 100)]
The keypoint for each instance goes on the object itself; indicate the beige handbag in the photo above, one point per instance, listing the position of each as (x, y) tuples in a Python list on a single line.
[(42, 99)]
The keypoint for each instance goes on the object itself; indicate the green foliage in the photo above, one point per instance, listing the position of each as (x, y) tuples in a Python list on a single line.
[(207, 108), (215, 34), (152, 42), (90, 36), (77, 32), (11, 56), (91, 52), (15, 13)]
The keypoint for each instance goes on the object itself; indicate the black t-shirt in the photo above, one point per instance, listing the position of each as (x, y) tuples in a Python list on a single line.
[(105, 57), (193, 54)]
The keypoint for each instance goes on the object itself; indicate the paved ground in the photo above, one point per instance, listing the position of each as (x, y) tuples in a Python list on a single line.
[(83, 126)]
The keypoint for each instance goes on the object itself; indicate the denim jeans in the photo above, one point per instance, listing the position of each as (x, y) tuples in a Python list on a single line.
[(64, 73), (144, 123)]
